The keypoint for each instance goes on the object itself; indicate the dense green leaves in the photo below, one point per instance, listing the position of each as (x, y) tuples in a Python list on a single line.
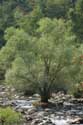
[(38, 61), (42, 50), (77, 18)]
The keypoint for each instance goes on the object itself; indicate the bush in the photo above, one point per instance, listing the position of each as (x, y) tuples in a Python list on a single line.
[(28, 92), (8, 115), (78, 91)]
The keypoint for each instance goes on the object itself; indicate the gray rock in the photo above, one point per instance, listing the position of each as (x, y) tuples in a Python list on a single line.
[(31, 110), (36, 95), (47, 110)]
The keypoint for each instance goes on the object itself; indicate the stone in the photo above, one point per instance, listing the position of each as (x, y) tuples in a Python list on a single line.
[(68, 105), (36, 122), (77, 121), (28, 118), (47, 110), (41, 114), (31, 110), (36, 95)]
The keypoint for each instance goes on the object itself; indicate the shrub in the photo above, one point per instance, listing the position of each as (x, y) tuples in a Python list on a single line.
[(8, 115), (78, 91)]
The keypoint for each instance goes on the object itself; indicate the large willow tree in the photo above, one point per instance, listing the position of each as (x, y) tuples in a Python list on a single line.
[(39, 61)]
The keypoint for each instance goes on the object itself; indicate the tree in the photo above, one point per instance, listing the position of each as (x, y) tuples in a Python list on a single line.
[(28, 22), (37, 62), (7, 10), (76, 15), (57, 8)]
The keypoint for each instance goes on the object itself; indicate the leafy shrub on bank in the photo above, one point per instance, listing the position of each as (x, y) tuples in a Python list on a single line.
[(8, 116), (78, 91)]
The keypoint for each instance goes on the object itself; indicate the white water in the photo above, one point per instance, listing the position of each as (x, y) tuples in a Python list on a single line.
[(23, 104), (59, 122)]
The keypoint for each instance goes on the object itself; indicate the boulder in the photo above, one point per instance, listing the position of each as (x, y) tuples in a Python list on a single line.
[(77, 121), (32, 110)]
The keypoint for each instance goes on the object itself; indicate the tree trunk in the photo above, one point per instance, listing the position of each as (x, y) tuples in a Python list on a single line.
[(45, 93), (44, 99), (45, 96)]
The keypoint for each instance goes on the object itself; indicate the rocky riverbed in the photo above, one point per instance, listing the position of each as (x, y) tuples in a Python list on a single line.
[(62, 109)]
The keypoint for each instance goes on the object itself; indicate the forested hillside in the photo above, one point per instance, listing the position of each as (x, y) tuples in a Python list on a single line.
[(41, 49)]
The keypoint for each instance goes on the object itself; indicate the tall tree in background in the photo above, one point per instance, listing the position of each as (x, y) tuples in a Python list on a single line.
[(32, 11), (77, 20), (7, 10)]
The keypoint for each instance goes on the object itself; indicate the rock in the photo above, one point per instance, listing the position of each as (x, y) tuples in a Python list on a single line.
[(28, 118), (60, 103), (77, 121), (64, 98), (12, 89), (80, 100), (36, 95), (59, 113), (2, 88), (76, 100), (80, 113), (30, 97), (41, 114), (68, 97), (32, 110), (2, 94), (20, 110), (16, 96), (74, 112), (47, 110), (68, 105), (36, 122), (45, 122)]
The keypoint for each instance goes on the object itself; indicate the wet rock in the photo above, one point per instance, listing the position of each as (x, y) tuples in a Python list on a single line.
[(80, 100), (36, 95), (32, 110), (36, 122), (28, 118), (77, 121), (76, 100), (47, 110), (41, 114), (2, 93), (68, 105), (30, 97), (2, 88)]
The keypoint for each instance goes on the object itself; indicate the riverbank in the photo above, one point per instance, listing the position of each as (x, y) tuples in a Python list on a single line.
[(62, 109)]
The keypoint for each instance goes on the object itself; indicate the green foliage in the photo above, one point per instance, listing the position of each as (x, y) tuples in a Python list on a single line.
[(77, 91), (7, 10), (57, 8), (26, 13), (28, 21), (8, 116), (77, 17), (39, 62), (42, 50), (6, 18)]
